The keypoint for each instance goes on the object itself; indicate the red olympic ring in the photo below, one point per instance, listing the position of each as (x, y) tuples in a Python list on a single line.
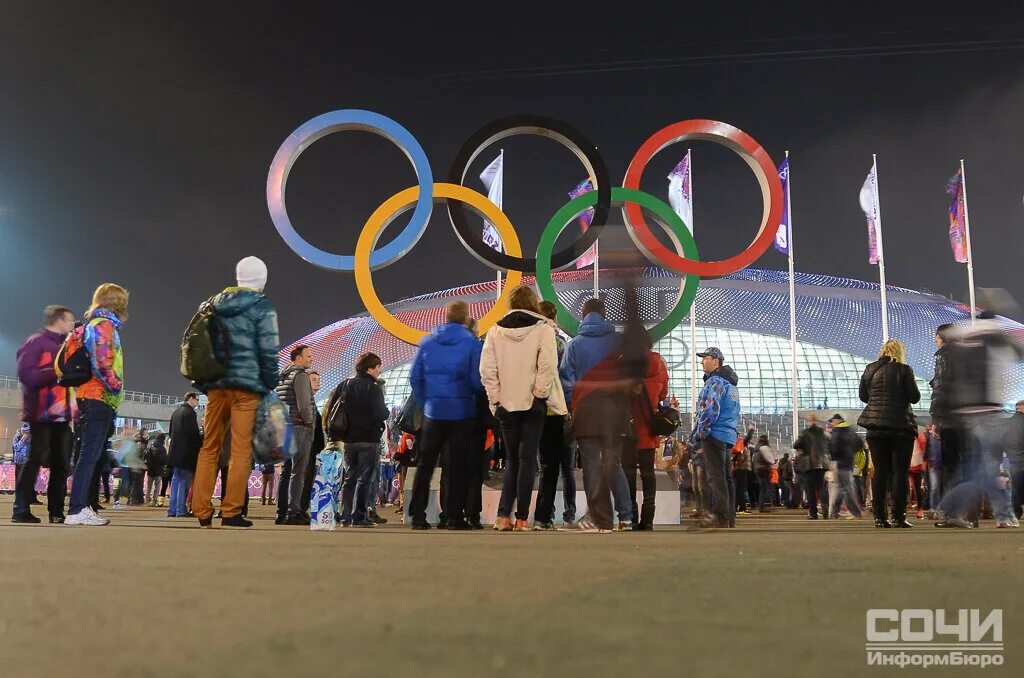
[(743, 145)]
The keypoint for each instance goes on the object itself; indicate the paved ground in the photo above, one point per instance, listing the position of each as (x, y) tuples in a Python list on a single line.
[(780, 595)]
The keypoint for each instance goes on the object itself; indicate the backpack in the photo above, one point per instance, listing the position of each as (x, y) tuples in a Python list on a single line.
[(336, 421), (198, 361), (73, 365), (272, 439)]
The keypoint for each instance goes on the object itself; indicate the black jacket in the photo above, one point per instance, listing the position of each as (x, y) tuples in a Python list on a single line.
[(889, 390), (843, 446), (364, 407), (939, 407), (185, 438), (812, 448), (155, 458)]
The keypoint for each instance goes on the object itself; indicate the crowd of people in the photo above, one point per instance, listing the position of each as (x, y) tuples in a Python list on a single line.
[(522, 399)]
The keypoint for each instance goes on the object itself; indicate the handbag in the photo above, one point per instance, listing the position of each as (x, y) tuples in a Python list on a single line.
[(663, 421), (410, 419)]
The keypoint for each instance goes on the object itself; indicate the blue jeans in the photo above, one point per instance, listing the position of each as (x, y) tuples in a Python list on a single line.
[(373, 493), (845, 490), (360, 459), (934, 486), (181, 480), (983, 447), (621, 496), (96, 417), (602, 461)]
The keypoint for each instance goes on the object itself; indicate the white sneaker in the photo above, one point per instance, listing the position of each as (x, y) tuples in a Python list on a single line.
[(86, 517), (118, 506)]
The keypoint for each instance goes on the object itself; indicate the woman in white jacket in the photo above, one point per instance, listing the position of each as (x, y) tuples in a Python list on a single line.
[(519, 371)]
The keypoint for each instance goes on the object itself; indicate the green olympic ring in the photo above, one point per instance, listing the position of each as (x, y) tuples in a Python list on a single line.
[(681, 236)]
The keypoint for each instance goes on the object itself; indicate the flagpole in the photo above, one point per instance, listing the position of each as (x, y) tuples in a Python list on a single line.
[(881, 252), (792, 299), (693, 307), (497, 290), (967, 233)]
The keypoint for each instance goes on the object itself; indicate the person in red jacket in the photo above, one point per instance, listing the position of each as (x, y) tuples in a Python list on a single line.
[(641, 456)]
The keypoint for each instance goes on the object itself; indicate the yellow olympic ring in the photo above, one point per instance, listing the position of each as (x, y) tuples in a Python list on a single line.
[(391, 209)]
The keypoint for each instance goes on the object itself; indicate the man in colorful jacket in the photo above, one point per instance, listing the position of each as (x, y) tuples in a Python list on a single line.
[(48, 409), (98, 398), (718, 410)]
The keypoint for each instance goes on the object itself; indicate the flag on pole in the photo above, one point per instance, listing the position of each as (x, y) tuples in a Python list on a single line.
[(869, 203), (782, 235), (586, 217), (957, 223), (492, 177), (679, 191)]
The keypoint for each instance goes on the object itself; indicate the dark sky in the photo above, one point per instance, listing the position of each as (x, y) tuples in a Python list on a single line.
[(135, 139)]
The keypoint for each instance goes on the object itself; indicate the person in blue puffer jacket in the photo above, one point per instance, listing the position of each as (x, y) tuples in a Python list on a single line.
[(248, 349), (718, 410), (445, 378)]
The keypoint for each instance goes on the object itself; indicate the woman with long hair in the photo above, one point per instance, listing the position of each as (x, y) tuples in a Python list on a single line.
[(888, 388), (101, 395), (519, 371)]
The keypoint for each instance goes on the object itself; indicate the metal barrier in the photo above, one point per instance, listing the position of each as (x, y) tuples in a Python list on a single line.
[(131, 396)]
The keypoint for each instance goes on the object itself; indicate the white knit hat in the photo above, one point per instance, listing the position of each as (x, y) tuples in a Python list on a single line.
[(252, 273)]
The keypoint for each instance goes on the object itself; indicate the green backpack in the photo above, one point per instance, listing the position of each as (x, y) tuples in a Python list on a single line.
[(198, 361)]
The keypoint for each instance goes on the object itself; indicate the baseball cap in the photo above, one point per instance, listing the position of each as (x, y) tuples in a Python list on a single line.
[(714, 352)]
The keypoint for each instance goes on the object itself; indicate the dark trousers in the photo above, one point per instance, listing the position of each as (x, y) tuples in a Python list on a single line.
[(1017, 480), (917, 483), (555, 458), (787, 493), (96, 417), (50, 441), (282, 489), (891, 456), (951, 473), (814, 481), (477, 471), (721, 490), (634, 460), (355, 488), (521, 431), (307, 487), (458, 435), (741, 479), (766, 492)]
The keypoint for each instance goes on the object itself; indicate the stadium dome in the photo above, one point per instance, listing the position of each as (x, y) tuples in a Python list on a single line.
[(746, 314)]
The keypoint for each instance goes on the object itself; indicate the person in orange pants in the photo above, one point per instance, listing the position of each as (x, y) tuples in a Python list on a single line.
[(248, 349)]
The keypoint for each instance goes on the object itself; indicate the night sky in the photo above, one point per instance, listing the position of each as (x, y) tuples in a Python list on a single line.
[(135, 139)]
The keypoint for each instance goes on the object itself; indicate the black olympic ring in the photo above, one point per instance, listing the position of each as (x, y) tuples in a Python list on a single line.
[(543, 126)]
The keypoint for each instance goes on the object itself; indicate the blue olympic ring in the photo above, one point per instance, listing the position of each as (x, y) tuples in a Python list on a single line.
[(337, 121)]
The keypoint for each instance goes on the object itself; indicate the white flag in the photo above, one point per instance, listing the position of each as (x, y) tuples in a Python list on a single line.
[(492, 177), (679, 192), (868, 203)]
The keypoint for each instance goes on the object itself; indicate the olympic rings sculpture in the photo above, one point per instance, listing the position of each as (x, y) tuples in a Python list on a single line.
[(634, 203)]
